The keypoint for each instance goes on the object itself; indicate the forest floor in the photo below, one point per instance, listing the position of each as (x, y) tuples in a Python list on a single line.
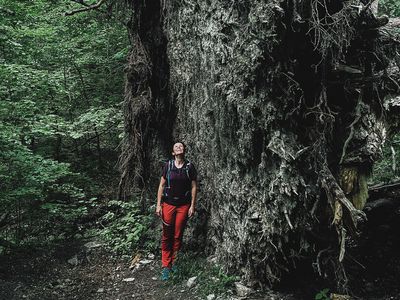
[(87, 270), (74, 271)]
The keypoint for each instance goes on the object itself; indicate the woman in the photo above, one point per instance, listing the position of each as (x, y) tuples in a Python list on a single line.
[(176, 199)]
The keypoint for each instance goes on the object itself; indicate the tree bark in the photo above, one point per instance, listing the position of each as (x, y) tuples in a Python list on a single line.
[(283, 135)]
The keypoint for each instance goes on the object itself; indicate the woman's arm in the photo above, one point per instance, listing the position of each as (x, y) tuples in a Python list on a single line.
[(194, 195), (159, 195)]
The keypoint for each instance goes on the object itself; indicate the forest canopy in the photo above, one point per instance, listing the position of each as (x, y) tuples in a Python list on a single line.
[(61, 88)]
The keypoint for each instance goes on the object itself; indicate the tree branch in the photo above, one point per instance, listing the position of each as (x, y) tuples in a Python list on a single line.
[(6, 244), (3, 219), (86, 8), (98, 134)]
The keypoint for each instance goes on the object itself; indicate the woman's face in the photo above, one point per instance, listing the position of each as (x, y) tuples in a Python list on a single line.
[(178, 149)]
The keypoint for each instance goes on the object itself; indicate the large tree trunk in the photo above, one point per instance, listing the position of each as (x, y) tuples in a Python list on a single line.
[(283, 107)]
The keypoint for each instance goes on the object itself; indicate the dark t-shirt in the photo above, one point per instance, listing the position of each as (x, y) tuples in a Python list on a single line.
[(178, 187)]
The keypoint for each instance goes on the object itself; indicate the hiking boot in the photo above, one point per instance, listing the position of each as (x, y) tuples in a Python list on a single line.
[(165, 273)]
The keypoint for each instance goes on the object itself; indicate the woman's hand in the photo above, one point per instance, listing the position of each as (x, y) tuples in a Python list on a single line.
[(191, 211), (158, 210)]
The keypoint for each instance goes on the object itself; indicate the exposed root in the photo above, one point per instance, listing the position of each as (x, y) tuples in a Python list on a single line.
[(351, 134), (335, 193), (137, 108)]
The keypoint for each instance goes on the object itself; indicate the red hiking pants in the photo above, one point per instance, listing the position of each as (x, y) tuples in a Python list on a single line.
[(171, 241)]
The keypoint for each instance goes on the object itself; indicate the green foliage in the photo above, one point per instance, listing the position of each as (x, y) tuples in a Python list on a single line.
[(94, 119), (390, 7), (61, 83), (322, 295), (27, 176), (124, 226), (383, 171), (35, 190), (211, 279)]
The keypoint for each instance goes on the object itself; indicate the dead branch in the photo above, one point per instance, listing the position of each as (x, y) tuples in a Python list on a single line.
[(351, 134), (393, 22), (380, 186), (367, 6), (4, 219), (86, 8)]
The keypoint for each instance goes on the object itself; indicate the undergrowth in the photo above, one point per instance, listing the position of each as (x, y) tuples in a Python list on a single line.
[(126, 229), (211, 279)]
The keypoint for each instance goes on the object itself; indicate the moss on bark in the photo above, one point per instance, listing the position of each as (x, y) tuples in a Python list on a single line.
[(275, 101)]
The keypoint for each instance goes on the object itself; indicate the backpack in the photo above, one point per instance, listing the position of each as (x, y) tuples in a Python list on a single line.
[(185, 167)]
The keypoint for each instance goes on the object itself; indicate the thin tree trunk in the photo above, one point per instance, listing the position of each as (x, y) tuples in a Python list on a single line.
[(98, 147)]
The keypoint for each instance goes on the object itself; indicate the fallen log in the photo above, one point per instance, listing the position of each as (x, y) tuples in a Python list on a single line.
[(382, 203), (381, 186), (379, 191)]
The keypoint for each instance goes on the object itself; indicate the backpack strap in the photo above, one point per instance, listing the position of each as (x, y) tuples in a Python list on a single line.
[(170, 162), (170, 166), (187, 165)]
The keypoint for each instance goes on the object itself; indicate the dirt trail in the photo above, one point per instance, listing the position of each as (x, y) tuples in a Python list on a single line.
[(87, 270), (76, 272)]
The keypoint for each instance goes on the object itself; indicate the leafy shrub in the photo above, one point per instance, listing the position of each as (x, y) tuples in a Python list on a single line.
[(390, 7), (211, 279), (125, 228), (383, 169), (322, 295), (35, 192)]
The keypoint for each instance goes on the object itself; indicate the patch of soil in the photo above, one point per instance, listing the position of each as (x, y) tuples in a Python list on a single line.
[(374, 267), (74, 272)]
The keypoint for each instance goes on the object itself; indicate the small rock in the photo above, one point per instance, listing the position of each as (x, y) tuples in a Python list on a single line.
[(211, 297), (100, 290), (128, 279), (154, 278), (242, 290), (74, 260), (340, 297), (145, 261), (91, 245), (191, 282), (212, 259), (215, 279)]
